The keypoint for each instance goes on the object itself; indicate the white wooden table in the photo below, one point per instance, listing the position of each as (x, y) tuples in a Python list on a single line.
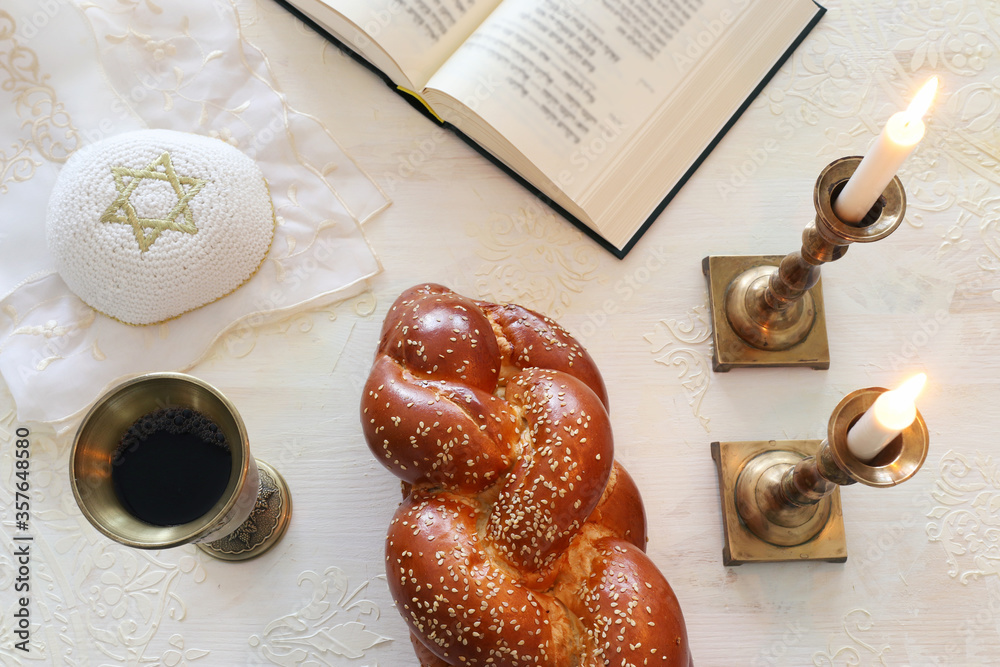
[(922, 582)]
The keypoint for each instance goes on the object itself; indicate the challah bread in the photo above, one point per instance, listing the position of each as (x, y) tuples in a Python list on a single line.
[(520, 540)]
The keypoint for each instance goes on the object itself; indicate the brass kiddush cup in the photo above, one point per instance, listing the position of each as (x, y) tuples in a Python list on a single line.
[(253, 511)]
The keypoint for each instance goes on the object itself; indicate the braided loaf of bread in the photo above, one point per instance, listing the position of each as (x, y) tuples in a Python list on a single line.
[(520, 540)]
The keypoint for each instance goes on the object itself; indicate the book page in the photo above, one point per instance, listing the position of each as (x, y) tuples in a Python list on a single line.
[(418, 36), (568, 82)]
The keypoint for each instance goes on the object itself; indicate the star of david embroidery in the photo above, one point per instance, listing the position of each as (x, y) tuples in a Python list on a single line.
[(147, 230)]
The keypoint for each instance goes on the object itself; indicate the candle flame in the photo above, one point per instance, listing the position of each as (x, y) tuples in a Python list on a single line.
[(910, 389), (922, 101), (897, 409)]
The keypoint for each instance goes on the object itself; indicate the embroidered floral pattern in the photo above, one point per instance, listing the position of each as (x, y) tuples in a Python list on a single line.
[(332, 629), (47, 132)]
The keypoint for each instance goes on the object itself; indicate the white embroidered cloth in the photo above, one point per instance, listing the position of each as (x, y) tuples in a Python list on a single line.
[(72, 74)]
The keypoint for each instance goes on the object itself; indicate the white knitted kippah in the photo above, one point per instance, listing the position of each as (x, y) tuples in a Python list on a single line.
[(147, 225)]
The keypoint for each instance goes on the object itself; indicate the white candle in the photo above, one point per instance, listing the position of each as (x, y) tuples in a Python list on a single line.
[(892, 412), (898, 139)]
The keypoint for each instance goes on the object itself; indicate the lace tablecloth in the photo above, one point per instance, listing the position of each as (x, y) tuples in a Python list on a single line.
[(922, 582)]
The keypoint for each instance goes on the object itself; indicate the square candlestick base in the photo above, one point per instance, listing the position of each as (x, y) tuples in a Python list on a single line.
[(743, 546), (730, 350)]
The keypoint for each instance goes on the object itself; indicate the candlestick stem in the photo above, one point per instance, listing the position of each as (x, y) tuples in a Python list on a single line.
[(811, 479)]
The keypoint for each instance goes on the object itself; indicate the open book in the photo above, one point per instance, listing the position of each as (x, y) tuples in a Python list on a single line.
[(602, 107)]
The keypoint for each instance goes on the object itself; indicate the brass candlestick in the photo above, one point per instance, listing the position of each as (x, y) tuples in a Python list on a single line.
[(248, 519), (781, 499), (767, 310)]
